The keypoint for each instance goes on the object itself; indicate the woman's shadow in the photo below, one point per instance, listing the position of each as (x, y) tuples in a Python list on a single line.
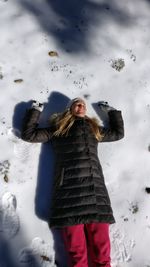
[(56, 103)]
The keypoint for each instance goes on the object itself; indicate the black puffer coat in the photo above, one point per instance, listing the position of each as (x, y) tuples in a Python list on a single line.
[(80, 194)]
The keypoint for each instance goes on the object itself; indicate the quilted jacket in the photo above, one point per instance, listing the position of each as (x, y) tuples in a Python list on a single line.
[(79, 191)]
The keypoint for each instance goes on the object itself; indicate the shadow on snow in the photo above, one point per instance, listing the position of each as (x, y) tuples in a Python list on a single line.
[(71, 22)]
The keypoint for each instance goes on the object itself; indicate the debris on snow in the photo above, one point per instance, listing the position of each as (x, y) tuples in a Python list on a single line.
[(45, 258), (53, 54), (134, 208), (86, 96), (132, 56), (1, 76), (126, 219), (147, 189), (18, 81), (118, 64), (4, 167), (6, 178)]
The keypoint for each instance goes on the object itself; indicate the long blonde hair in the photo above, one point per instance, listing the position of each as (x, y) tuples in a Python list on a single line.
[(64, 121)]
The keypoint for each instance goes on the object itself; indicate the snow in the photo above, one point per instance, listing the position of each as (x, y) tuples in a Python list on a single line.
[(103, 54)]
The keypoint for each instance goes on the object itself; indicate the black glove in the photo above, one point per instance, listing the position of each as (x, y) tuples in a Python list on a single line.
[(105, 106), (37, 105)]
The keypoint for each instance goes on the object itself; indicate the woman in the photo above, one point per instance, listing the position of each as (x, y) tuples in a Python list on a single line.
[(81, 206)]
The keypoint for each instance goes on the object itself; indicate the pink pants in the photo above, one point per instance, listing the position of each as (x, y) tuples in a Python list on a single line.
[(84, 240)]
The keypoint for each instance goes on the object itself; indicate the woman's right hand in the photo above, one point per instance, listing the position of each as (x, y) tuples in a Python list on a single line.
[(105, 106), (37, 105)]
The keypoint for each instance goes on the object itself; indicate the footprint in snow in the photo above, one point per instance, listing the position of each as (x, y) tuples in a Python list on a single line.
[(21, 149), (38, 252), (121, 246), (9, 220)]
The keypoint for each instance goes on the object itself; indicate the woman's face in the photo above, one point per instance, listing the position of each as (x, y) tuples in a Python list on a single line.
[(79, 109)]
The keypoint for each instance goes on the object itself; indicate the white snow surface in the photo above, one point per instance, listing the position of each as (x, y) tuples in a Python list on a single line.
[(103, 51)]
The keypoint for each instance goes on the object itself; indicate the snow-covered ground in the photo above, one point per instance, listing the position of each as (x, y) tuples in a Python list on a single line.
[(102, 53)]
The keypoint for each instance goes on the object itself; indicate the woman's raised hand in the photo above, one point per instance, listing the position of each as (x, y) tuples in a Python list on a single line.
[(105, 106), (37, 105)]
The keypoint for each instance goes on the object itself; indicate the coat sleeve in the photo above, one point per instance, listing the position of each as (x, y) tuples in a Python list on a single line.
[(30, 131), (115, 131)]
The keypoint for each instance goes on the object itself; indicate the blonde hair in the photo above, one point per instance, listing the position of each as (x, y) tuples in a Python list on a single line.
[(64, 121)]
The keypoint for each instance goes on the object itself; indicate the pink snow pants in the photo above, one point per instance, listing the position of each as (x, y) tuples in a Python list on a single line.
[(87, 240)]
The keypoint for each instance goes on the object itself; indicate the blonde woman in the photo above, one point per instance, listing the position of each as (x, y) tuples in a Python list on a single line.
[(81, 205)]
